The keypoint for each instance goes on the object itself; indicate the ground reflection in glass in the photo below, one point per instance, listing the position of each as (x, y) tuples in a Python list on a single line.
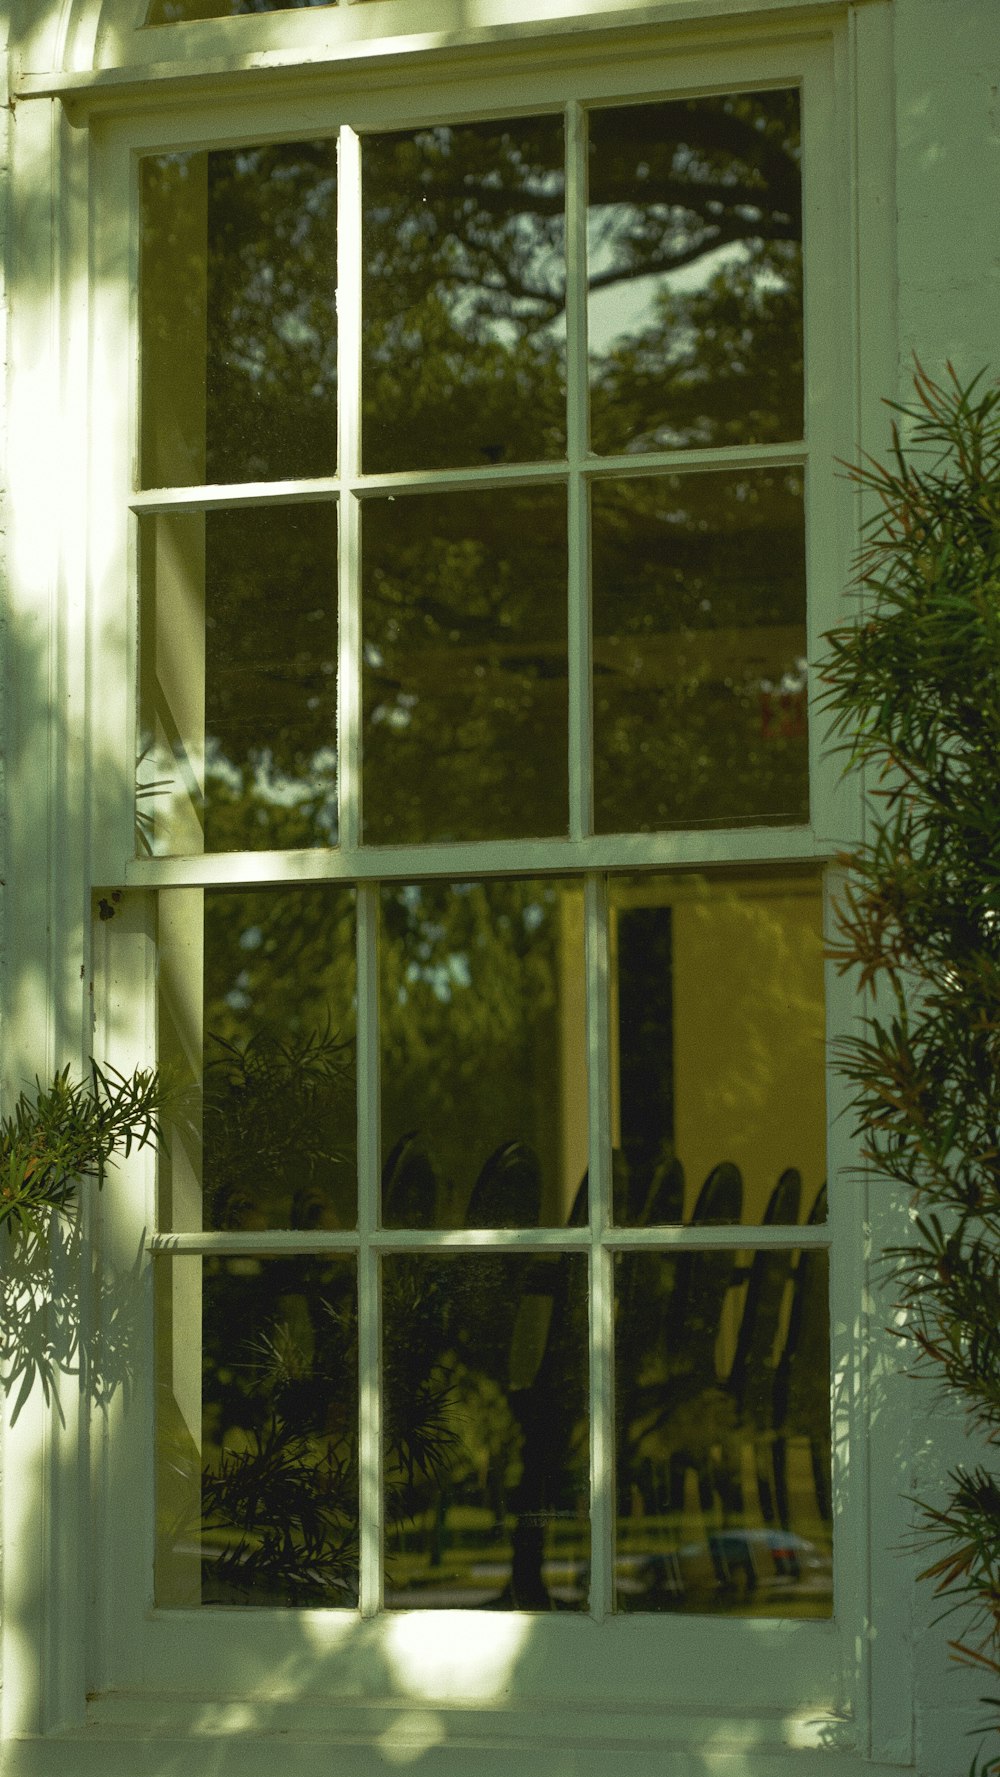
[(486, 1440), (465, 702), (723, 1431), (699, 651), (257, 1431)]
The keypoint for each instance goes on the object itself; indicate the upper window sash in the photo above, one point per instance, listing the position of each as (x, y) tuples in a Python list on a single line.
[(800, 67), (486, 342)]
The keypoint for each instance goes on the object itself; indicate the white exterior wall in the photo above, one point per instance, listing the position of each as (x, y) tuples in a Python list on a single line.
[(947, 172), (942, 125)]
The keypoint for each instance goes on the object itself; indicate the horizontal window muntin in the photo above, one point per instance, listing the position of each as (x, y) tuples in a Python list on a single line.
[(326, 487), (288, 1240), (707, 848), (671, 667), (669, 1013)]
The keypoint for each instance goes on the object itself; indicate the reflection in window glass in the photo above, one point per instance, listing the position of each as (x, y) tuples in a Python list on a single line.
[(172, 12), (465, 704), (699, 650), (464, 295), (695, 273), (718, 1061), (486, 1432), (265, 1134), (707, 1025), (239, 680), (484, 1057), (722, 1408), (239, 314), (257, 1431)]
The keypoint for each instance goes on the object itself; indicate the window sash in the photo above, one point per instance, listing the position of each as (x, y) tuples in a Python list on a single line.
[(170, 1648), (831, 815), (350, 486)]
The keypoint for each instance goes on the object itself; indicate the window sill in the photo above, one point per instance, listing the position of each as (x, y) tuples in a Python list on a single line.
[(148, 1735)]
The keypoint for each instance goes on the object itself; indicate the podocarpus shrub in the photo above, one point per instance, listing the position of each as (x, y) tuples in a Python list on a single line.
[(914, 688), (68, 1131)]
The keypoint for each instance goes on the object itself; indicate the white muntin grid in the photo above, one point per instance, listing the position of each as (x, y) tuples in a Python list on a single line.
[(579, 853), (600, 1240)]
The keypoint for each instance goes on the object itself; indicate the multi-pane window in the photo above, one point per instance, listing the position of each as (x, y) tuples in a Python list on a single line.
[(491, 1255)]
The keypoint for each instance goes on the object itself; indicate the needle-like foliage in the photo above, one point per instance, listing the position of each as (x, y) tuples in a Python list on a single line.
[(914, 689), (68, 1131)]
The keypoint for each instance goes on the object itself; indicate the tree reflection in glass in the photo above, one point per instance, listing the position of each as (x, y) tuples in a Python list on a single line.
[(465, 701), (265, 1134), (257, 1433), (464, 295), (172, 12), (699, 605), (695, 272), (241, 754), (239, 314)]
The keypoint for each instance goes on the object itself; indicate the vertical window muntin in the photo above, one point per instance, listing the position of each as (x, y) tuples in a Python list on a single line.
[(582, 472)]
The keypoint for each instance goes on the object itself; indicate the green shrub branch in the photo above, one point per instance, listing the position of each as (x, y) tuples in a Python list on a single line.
[(914, 689), (69, 1131)]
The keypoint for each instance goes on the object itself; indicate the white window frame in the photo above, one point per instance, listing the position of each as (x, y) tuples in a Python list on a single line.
[(800, 1684)]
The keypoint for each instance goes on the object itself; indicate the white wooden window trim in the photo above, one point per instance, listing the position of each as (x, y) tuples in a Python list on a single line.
[(112, 34), (119, 1447), (718, 73)]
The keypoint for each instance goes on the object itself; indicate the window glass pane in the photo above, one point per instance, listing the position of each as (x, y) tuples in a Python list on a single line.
[(699, 650), (484, 1057), (257, 1431), (486, 1432), (171, 12), (239, 314), (464, 295), (256, 1022), (723, 1433), (695, 273), (465, 688), (718, 1059), (238, 713)]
